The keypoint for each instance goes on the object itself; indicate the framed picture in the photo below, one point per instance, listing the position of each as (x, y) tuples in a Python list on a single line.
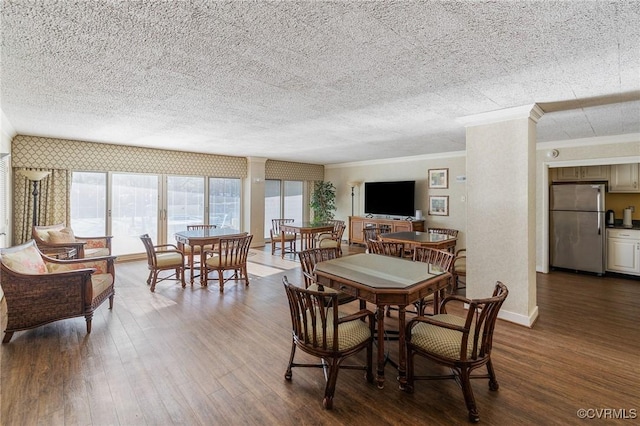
[(439, 205), (438, 178)]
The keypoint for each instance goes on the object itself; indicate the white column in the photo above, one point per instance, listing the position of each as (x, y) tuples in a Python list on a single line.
[(501, 207), (253, 197)]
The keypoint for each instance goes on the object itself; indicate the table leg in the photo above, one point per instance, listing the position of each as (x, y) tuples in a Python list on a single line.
[(203, 269), (191, 264), (281, 244), (380, 368), (402, 353)]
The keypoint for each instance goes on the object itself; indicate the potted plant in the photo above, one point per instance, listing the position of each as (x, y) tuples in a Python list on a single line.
[(323, 201)]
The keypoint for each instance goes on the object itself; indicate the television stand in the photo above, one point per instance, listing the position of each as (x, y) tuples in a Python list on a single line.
[(358, 223)]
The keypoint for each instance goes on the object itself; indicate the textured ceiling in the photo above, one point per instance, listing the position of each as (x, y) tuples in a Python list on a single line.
[(317, 82)]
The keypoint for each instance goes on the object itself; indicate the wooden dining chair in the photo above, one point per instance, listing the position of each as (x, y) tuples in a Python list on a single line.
[(463, 344), (443, 260), (230, 254), (187, 249), (459, 270), (446, 231), (290, 238), (333, 239), (370, 233), (309, 259), (318, 329), (163, 257), (386, 248)]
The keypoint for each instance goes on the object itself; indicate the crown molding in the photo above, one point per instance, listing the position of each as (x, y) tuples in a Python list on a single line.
[(596, 140), (451, 154), (532, 111)]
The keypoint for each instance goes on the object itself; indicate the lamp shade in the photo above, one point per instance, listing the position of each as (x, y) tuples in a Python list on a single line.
[(353, 184), (35, 175)]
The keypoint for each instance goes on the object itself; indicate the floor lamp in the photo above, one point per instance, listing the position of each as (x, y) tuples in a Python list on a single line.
[(353, 185), (35, 176)]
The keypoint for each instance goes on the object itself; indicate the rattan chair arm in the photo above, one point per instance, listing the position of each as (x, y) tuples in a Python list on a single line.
[(432, 321), (163, 246), (10, 274), (81, 260), (76, 244), (453, 297), (90, 262), (364, 313), (101, 237)]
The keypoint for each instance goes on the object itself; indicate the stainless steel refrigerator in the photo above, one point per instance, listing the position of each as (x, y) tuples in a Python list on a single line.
[(577, 227)]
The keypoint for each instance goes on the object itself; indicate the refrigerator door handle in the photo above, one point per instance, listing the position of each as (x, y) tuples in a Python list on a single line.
[(599, 224)]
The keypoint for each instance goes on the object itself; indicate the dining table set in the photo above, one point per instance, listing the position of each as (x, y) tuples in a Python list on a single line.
[(377, 279), (308, 232), (382, 281), (198, 239)]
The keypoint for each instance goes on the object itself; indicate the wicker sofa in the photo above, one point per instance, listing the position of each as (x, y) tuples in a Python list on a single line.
[(40, 290)]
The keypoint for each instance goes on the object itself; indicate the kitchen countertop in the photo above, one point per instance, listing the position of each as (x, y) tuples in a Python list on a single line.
[(635, 225)]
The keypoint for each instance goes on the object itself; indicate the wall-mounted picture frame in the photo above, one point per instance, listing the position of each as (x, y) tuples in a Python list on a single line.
[(439, 205), (439, 178)]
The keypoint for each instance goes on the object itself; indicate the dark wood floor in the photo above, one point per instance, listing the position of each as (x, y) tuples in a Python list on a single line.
[(198, 357)]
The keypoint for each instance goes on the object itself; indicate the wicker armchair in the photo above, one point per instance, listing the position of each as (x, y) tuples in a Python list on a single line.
[(333, 239), (56, 237), (228, 255), (318, 329), (440, 258), (163, 257), (40, 290), (459, 270), (462, 344), (277, 237), (308, 260)]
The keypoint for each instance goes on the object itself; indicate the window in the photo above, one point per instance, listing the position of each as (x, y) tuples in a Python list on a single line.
[(293, 200), (224, 202), (291, 203), (146, 204), (272, 204), (89, 203), (134, 206), (185, 203)]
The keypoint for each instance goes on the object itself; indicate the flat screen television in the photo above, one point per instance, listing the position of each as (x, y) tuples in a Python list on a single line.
[(390, 198)]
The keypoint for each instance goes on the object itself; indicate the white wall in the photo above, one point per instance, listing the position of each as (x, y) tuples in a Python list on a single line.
[(408, 168), (7, 132)]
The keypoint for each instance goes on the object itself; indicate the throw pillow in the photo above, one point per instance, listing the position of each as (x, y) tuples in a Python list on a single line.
[(27, 261), (63, 236)]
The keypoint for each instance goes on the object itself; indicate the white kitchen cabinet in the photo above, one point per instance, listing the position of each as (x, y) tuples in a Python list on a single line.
[(584, 173), (624, 178), (623, 251)]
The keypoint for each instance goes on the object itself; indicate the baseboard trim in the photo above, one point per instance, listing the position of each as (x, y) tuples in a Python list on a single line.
[(520, 319)]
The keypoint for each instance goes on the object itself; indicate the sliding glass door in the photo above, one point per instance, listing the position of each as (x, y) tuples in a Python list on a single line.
[(150, 204), (134, 211), (89, 203), (282, 200), (224, 202), (185, 203)]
